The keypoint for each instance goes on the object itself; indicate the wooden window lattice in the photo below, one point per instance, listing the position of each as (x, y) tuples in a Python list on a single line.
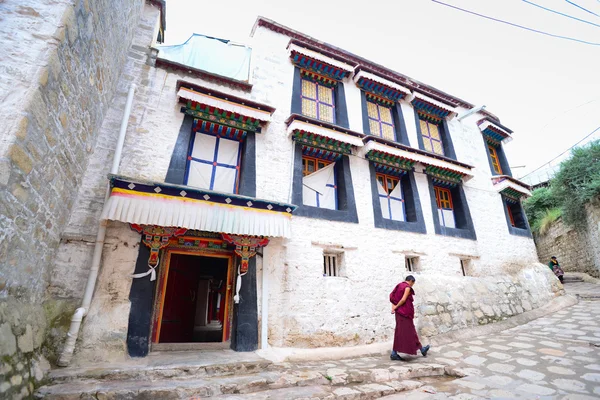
[(432, 140), (381, 122), (317, 101)]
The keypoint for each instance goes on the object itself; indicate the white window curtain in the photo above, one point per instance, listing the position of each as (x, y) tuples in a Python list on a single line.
[(392, 206), (214, 163), (318, 188), (446, 217)]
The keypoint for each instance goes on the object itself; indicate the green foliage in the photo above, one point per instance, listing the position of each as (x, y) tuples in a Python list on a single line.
[(576, 183), (543, 225), (537, 206)]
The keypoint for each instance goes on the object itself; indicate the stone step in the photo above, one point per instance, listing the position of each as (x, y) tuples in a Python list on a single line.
[(351, 392), (145, 372), (284, 378), (197, 389), (572, 279)]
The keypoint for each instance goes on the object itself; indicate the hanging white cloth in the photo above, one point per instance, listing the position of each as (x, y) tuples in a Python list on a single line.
[(446, 218), (214, 163), (238, 285), (318, 188), (392, 206)]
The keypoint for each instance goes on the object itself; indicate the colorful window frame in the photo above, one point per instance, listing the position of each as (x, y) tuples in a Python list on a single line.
[(510, 215), (381, 121), (198, 156), (443, 199), (313, 164), (495, 160), (432, 137), (318, 101), (390, 203)]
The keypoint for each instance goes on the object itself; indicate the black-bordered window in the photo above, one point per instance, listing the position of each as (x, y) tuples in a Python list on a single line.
[(445, 208), (381, 121), (187, 148), (319, 183), (319, 97), (433, 135), (214, 162), (515, 217), (391, 198), (396, 203), (451, 214), (497, 158), (318, 100), (333, 190), (494, 159)]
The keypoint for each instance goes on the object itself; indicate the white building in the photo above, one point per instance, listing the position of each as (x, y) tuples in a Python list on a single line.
[(341, 175)]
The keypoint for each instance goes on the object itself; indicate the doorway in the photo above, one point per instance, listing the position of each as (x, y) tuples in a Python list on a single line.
[(195, 303)]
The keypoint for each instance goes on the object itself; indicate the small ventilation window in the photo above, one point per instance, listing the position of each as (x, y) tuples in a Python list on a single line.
[(332, 264), (412, 264), (465, 266)]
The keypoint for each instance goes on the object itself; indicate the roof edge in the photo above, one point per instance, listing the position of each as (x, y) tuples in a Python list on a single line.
[(373, 67)]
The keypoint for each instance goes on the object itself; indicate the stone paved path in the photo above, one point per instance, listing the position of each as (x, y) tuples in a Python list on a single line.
[(554, 357)]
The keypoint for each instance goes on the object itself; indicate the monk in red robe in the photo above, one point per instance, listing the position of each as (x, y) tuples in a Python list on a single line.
[(406, 339)]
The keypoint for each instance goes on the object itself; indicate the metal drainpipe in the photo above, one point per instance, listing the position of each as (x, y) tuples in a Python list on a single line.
[(264, 326), (67, 353)]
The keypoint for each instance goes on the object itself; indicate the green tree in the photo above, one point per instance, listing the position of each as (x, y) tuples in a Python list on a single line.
[(577, 183), (541, 204)]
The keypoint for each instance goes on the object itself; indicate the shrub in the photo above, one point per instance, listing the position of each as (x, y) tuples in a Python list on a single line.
[(576, 183)]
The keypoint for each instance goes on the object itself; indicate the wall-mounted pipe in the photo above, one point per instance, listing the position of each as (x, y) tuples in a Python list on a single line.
[(67, 352)]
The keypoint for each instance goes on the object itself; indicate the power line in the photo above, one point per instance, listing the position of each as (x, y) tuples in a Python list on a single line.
[(561, 154), (559, 13), (566, 112), (516, 25), (584, 9)]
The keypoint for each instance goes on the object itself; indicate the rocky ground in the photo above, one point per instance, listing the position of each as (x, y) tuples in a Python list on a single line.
[(553, 357)]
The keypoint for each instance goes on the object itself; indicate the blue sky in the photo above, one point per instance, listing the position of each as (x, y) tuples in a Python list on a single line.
[(547, 90)]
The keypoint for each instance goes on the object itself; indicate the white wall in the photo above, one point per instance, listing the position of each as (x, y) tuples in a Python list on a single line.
[(305, 308)]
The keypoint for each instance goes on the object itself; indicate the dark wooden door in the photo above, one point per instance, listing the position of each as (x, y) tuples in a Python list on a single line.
[(177, 324)]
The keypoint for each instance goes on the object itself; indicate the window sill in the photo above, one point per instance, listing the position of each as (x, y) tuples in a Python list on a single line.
[(519, 231), (456, 232), (406, 226), (327, 214)]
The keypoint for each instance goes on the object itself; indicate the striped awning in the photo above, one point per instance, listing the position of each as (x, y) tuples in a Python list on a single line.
[(408, 156), (150, 203), (380, 86), (323, 136), (511, 188), (428, 107), (319, 63), (225, 105), (494, 132)]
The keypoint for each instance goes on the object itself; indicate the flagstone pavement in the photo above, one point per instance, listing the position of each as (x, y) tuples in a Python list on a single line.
[(554, 357)]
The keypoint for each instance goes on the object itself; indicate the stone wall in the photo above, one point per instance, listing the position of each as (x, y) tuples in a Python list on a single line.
[(60, 65), (577, 248), (442, 304)]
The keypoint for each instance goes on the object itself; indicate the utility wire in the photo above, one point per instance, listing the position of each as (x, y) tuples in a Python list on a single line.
[(584, 9), (559, 13), (516, 25), (561, 154), (566, 112)]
